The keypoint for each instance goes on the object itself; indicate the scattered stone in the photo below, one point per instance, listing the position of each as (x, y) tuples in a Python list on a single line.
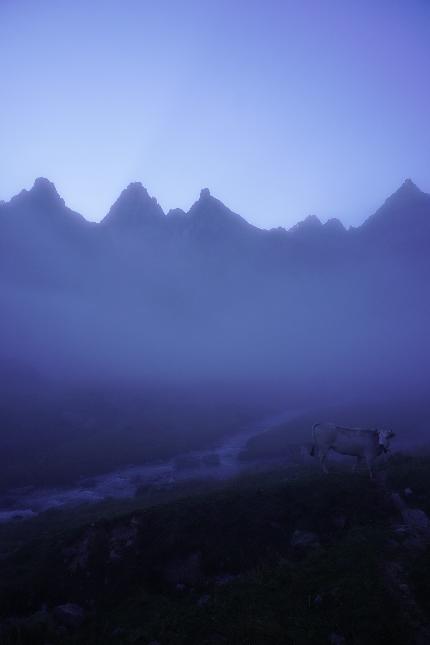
[(203, 600), (404, 589), (224, 579), (113, 555), (79, 554), (69, 615), (408, 491), (37, 626), (417, 520), (401, 530), (304, 540), (336, 639), (122, 538), (40, 618)]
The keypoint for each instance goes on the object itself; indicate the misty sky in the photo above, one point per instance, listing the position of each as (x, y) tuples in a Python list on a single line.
[(282, 108)]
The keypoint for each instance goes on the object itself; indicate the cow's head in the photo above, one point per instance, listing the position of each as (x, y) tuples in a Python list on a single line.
[(384, 437)]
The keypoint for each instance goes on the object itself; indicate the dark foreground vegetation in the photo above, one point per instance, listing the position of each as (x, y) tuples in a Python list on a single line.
[(287, 557)]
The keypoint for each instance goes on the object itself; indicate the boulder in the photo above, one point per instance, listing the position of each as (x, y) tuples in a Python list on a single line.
[(304, 540), (69, 615), (417, 520)]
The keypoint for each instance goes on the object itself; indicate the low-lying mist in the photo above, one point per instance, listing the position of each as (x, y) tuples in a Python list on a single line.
[(148, 335)]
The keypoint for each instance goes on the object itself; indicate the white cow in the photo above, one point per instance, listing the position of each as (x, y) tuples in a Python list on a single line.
[(357, 442)]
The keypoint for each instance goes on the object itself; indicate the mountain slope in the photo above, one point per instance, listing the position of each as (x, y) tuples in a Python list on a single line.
[(204, 294)]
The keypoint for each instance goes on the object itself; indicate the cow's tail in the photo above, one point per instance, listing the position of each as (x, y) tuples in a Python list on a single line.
[(313, 449)]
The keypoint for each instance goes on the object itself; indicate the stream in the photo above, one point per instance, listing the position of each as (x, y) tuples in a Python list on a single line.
[(221, 462)]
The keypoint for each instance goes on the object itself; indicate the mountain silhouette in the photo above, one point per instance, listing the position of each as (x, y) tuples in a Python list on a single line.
[(407, 208), (210, 217), (40, 206), (205, 294), (134, 209)]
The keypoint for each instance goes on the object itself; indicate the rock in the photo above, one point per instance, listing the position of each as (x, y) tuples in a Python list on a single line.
[(121, 539), (42, 618), (401, 530), (38, 626), (203, 600), (304, 540), (404, 590), (408, 491), (79, 554), (69, 615), (224, 579), (417, 520), (398, 501), (336, 639)]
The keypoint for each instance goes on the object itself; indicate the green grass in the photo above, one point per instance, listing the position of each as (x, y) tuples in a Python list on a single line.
[(279, 594)]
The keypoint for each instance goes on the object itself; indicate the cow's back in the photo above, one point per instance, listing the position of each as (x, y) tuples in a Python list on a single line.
[(325, 434), (347, 441)]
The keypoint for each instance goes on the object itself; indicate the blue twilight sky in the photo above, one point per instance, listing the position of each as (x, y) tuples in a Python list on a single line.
[(281, 108)]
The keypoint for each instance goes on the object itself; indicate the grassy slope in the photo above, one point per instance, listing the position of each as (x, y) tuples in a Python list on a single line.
[(279, 594)]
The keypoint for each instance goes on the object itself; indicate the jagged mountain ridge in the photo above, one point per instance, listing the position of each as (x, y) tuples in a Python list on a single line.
[(136, 208), (207, 291)]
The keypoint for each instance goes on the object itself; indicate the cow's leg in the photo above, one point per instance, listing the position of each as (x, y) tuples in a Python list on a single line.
[(356, 465), (323, 459), (369, 463)]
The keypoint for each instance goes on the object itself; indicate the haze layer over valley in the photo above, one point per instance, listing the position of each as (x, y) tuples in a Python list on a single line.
[(152, 333), (205, 295)]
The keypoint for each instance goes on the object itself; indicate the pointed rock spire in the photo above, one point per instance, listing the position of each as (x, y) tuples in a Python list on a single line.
[(134, 207), (205, 193), (408, 187), (310, 223), (402, 211), (43, 194), (210, 214)]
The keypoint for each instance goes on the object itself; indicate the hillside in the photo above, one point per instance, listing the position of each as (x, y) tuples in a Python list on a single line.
[(149, 335), (285, 557), (203, 296)]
